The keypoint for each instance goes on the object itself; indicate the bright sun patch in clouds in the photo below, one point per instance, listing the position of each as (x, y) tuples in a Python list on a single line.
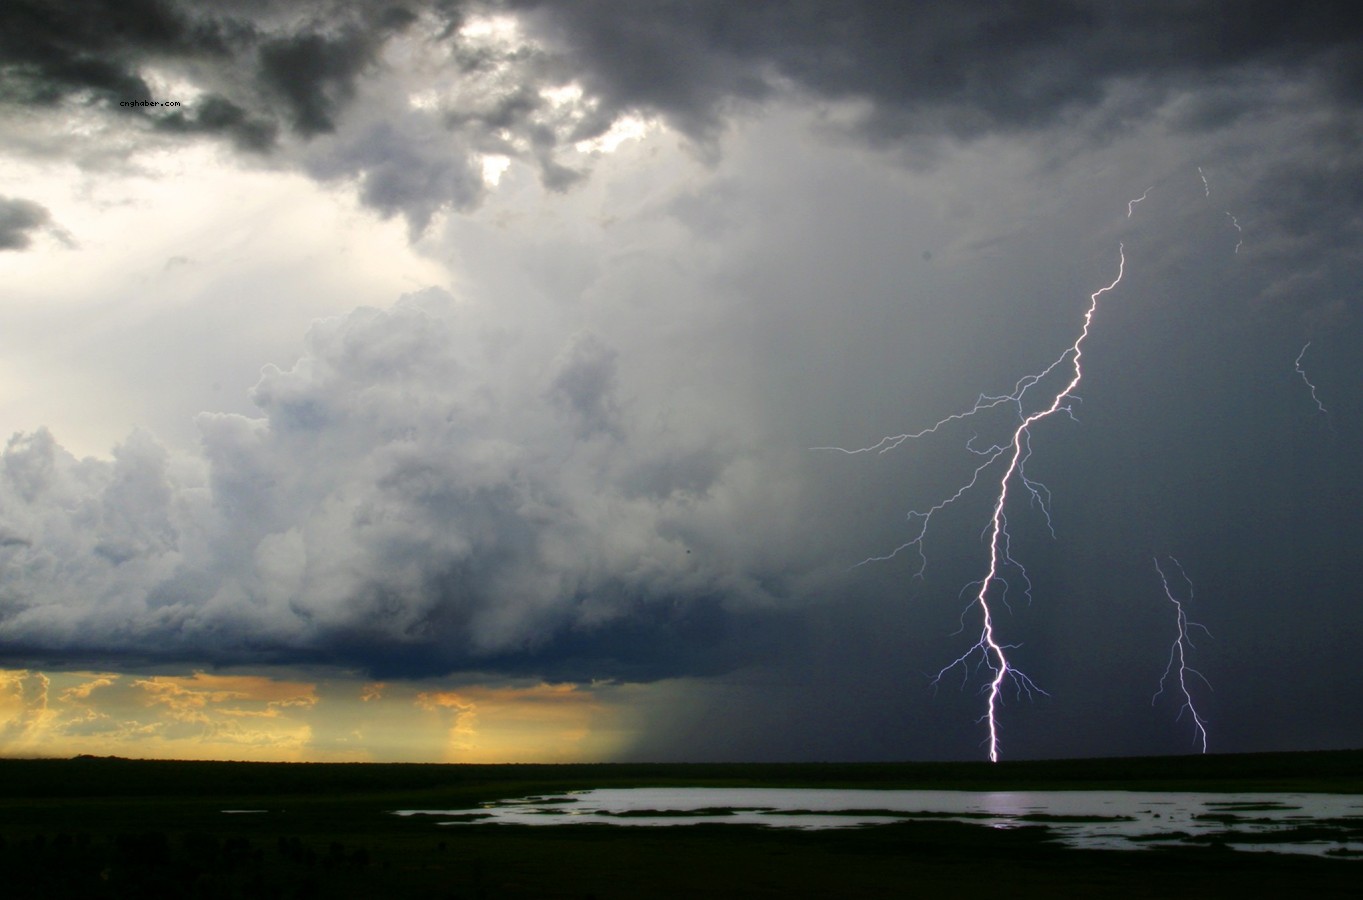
[(626, 128), (501, 29), (493, 167), (204, 270), (170, 86)]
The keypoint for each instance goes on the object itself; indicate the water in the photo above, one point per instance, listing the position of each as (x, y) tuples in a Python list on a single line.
[(1280, 822)]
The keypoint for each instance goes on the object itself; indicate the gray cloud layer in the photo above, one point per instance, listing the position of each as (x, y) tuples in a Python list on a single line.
[(19, 219), (317, 84), (404, 503)]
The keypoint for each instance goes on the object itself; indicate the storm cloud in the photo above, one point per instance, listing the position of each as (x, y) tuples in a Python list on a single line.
[(402, 503), (636, 259), (20, 218), (407, 98)]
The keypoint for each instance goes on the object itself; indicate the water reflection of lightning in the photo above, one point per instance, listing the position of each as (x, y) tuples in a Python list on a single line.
[(1178, 655), (1302, 372), (988, 652)]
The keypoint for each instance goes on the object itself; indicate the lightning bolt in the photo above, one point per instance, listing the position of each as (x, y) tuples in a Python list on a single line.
[(1302, 372), (1131, 204), (1011, 456), (1178, 655), (1003, 464), (1207, 192), (1019, 450)]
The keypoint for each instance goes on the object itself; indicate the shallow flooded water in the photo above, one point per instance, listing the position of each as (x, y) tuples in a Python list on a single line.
[(1322, 824)]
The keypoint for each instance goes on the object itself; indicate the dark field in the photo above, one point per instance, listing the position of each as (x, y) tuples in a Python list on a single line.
[(130, 828)]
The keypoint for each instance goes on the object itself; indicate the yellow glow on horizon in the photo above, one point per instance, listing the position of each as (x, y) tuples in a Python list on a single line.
[(541, 723), (276, 717)]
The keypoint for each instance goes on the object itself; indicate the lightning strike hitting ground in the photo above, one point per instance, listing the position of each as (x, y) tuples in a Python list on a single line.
[(1178, 655), (1302, 372), (1006, 461), (992, 589)]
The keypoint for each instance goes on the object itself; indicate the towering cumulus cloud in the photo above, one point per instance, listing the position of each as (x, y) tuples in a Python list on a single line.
[(402, 503)]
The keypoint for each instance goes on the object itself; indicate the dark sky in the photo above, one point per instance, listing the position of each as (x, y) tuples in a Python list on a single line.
[(483, 345)]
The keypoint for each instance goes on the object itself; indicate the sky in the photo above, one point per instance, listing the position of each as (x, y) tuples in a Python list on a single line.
[(442, 380)]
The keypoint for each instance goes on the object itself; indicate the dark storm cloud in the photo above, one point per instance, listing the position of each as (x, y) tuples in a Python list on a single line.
[(19, 219), (960, 68), (315, 74), (99, 48), (214, 115), (954, 69), (55, 50)]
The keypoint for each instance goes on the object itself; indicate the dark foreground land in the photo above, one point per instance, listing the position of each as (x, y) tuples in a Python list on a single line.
[(131, 828)]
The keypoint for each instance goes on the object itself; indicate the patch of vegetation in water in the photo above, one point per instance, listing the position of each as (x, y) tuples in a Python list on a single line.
[(548, 801), (1301, 834), (1071, 819), (850, 813), (1157, 836), (701, 812), (464, 817)]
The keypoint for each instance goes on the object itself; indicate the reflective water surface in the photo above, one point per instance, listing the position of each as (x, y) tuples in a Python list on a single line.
[(1323, 824)]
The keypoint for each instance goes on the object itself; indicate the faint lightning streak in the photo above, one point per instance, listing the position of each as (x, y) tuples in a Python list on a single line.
[(1178, 654), (892, 441), (1207, 188), (925, 518), (1240, 230), (1131, 204), (1302, 372)]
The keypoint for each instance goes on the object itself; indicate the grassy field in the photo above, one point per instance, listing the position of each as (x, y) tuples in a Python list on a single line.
[(134, 828)]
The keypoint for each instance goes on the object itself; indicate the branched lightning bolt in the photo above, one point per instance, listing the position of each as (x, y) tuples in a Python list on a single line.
[(991, 651), (1302, 372), (1178, 655), (988, 652)]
